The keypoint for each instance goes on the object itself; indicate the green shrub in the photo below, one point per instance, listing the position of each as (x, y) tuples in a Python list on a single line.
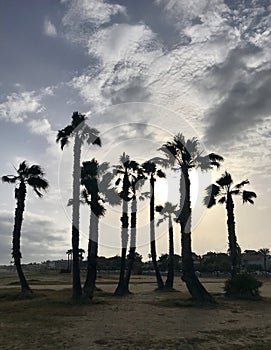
[(242, 286)]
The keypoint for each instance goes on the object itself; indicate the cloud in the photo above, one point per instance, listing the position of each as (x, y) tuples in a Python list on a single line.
[(49, 28), (85, 16), (41, 238), (18, 106), (243, 95), (40, 126)]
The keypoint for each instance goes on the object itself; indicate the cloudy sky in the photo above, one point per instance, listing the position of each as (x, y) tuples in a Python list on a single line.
[(142, 71)]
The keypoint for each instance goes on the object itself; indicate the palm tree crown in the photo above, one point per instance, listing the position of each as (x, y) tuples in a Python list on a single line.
[(224, 187), (31, 175), (78, 126), (186, 153)]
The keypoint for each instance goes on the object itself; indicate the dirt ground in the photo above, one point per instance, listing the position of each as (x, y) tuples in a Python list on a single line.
[(144, 320)]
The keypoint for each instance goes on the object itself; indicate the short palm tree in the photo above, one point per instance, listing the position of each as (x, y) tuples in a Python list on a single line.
[(169, 212), (69, 254), (81, 132), (123, 171), (265, 252), (34, 177), (186, 155), (223, 191), (97, 190), (151, 171)]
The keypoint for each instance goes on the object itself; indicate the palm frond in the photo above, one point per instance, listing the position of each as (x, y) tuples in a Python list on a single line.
[(242, 184), (118, 181), (149, 167), (35, 170), (11, 179), (159, 222), (225, 180), (215, 157), (23, 167), (159, 208), (235, 191), (112, 197), (124, 158), (191, 146), (38, 183), (78, 120), (222, 200), (160, 173), (210, 199), (248, 195)]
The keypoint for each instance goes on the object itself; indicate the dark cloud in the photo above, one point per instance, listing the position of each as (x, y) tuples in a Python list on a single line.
[(134, 91), (244, 97)]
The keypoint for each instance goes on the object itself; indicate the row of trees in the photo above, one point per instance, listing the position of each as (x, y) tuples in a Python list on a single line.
[(101, 185)]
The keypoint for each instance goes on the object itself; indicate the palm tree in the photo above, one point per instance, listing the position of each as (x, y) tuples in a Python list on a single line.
[(168, 211), (124, 172), (224, 190), (69, 254), (97, 189), (264, 252), (81, 132), (151, 171), (186, 154), (34, 177), (137, 180)]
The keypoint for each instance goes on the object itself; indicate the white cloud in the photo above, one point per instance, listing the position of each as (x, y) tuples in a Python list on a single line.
[(85, 16), (40, 126), (18, 105), (49, 28)]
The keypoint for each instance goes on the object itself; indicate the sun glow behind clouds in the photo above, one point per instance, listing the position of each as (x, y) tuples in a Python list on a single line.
[(167, 189)]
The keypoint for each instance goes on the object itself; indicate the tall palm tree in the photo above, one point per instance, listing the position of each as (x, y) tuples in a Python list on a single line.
[(151, 171), (34, 177), (264, 252), (137, 180), (224, 190), (81, 132), (186, 155), (97, 190), (123, 173), (169, 211)]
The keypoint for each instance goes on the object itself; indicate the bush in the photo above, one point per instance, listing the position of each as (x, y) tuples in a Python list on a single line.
[(243, 286)]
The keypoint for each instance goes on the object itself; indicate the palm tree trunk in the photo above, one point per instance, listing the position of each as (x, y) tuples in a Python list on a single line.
[(231, 234), (170, 273), (195, 288), (90, 282), (131, 256), (120, 290), (76, 288), (160, 283), (20, 195)]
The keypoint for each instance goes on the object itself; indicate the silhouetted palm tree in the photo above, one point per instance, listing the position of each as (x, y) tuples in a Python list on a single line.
[(34, 177), (168, 211), (186, 154), (97, 190), (224, 190), (124, 171), (137, 180), (69, 254), (264, 252), (81, 132), (151, 171)]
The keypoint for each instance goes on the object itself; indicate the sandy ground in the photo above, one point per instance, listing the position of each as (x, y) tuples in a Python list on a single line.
[(152, 320)]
